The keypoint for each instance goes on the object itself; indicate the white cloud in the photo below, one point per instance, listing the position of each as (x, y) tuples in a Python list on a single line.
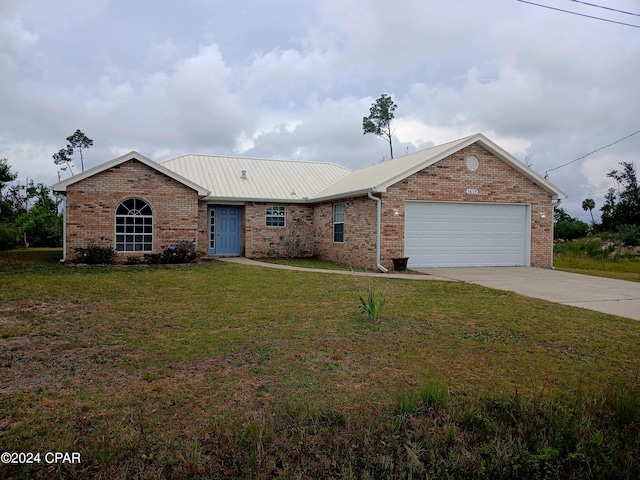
[(15, 40), (224, 78), (161, 53)]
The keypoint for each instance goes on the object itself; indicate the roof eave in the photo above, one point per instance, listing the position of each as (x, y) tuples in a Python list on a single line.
[(242, 200), (61, 187), (353, 193), (557, 193)]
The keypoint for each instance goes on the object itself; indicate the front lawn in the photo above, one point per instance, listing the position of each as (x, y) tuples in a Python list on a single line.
[(230, 371)]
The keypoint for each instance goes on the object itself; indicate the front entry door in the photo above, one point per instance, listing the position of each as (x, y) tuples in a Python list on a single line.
[(224, 230)]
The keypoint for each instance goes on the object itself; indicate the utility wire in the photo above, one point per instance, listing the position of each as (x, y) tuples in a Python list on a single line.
[(546, 173), (606, 8), (579, 14)]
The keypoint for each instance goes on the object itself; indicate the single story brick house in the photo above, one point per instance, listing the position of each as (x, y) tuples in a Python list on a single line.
[(464, 203)]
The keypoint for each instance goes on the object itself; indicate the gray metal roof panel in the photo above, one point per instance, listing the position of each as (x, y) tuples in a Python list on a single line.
[(265, 179)]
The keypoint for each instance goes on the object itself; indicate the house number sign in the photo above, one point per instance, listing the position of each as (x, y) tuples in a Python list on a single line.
[(472, 191)]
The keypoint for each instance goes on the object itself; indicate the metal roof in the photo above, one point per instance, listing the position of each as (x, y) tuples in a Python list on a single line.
[(376, 178), (221, 178), (380, 175), (265, 179)]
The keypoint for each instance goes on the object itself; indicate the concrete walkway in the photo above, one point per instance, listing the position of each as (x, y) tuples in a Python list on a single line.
[(406, 276), (615, 297)]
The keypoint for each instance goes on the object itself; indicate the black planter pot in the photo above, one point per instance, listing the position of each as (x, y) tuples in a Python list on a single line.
[(400, 264)]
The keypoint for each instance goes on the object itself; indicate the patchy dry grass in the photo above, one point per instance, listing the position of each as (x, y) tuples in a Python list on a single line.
[(222, 370)]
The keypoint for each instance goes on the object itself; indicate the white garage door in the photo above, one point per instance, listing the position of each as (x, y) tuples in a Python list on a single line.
[(441, 234)]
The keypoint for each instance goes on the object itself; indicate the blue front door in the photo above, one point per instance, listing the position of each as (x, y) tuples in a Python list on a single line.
[(224, 230)]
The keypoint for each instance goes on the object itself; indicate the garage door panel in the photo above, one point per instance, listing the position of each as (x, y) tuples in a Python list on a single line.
[(465, 234)]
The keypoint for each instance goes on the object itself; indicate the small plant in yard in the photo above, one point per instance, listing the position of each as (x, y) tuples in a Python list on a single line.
[(295, 244), (434, 394), (152, 258), (94, 254), (181, 252), (133, 260), (372, 302), (407, 402), (372, 305)]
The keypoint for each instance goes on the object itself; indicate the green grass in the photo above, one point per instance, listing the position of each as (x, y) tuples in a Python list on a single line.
[(586, 256), (230, 371), (311, 263)]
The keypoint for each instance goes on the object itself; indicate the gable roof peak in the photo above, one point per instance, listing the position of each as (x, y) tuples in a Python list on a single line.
[(379, 176), (61, 186)]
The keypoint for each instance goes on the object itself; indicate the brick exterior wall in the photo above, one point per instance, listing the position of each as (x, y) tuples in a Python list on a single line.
[(359, 246), (448, 180), (92, 203), (178, 215), (262, 241), (203, 227)]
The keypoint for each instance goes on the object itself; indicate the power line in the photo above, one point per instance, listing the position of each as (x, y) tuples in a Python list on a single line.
[(579, 14), (606, 8), (546, 173)]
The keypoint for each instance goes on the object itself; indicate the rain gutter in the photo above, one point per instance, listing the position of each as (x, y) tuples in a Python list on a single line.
[(378, 222)]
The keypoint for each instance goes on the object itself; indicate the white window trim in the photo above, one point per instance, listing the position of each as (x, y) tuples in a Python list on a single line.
[(334, 223), (134, 243), (273, 215)]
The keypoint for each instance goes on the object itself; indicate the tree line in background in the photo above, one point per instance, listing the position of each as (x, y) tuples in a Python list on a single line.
[(29, 213), (620, 213)]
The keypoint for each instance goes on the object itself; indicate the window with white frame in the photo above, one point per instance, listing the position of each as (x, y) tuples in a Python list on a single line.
[(338, 222), (275, 216), (134, 226)]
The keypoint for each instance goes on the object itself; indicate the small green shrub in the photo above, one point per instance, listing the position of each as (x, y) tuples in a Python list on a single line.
[(152, 258), (133, 260), (372, 305), (595, 249), (570, 230), (590, 247), (8, 237), (181, 252), (94, 254), (629, 235), (295, 244)]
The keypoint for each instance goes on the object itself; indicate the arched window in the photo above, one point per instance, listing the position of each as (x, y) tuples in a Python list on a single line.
[(134, 226)]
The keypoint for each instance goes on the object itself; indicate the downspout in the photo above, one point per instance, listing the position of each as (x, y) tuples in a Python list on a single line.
[(378, 222), (63, 201), (553, 252)]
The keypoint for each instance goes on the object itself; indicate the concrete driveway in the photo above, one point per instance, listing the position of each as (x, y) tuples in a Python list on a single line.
[(616, 297)]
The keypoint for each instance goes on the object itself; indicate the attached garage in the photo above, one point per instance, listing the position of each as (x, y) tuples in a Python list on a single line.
[(467, 234)]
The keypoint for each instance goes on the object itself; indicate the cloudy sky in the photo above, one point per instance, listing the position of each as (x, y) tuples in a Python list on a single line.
[(292, 79)]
